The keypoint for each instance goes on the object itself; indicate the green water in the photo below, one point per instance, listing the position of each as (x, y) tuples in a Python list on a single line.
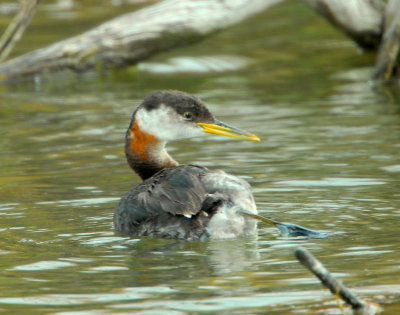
[(328, 160)]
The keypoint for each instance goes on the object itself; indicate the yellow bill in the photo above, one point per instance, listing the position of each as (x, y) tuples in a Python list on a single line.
[(222, 129)]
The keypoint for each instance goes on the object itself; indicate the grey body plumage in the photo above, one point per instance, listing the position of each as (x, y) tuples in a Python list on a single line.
[(180, 201)]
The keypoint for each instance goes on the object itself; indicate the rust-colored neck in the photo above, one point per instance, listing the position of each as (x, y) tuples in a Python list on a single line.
[(145, 154)]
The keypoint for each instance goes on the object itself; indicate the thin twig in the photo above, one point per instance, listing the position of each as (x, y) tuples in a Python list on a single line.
[(335, 286), (17, 27)]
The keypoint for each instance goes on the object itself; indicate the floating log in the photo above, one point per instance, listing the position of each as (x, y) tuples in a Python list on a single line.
[(136, 36)]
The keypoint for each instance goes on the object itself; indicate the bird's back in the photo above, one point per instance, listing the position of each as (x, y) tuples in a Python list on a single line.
[(186, 202)]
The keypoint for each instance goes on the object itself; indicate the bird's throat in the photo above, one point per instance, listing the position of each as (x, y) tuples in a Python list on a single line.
[(146, 155)]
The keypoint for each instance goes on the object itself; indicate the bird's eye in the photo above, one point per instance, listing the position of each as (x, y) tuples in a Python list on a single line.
[(187, 115)]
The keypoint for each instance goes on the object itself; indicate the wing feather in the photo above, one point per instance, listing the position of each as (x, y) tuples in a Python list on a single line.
[(177, 191)]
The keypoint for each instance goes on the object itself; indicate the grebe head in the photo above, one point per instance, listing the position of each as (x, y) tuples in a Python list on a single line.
[(165, 116), (173, 115)]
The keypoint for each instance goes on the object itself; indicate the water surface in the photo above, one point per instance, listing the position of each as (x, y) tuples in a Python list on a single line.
[(328, 160)]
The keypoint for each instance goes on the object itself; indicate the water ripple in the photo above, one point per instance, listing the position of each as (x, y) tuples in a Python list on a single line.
[(333, 182), (43, 265)]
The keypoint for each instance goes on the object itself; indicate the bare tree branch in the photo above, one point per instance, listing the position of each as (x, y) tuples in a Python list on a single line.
[(335, 286), (17, 27)]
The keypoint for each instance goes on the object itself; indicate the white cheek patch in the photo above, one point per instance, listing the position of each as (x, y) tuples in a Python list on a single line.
[(165, 124)]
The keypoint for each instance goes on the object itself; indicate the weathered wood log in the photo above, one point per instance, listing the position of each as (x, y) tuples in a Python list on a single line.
[(362, 20), (335, 286), (136, 36), (388, 60), (372, 25)]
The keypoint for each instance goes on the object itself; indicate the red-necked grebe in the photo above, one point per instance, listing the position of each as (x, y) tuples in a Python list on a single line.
[(180, 201)]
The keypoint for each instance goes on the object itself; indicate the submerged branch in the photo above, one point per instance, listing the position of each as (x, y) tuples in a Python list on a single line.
[(334, 285)]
